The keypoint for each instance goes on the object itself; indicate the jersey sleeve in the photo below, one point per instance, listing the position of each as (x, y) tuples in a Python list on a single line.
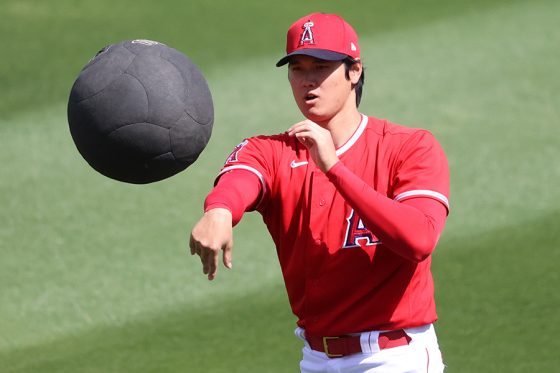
[(422, 170), (237, 191), (256, 155)]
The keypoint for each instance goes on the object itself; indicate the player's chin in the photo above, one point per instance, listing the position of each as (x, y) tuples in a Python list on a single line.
[(313, 113), (316, 116)]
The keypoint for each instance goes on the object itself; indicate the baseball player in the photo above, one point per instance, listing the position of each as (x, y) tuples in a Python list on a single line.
[(355, 206)]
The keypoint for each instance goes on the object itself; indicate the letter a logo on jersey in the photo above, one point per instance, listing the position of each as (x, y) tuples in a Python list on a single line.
[(357, 235), (233, 156), (307, 35)]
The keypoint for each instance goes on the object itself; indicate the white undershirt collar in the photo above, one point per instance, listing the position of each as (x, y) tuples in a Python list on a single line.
[(352, 140)]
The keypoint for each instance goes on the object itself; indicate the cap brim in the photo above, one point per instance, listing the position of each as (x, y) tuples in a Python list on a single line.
[(322, 54)]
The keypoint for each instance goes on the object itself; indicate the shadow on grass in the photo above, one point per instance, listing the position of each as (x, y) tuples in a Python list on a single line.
[(249, 334), (498, 300)]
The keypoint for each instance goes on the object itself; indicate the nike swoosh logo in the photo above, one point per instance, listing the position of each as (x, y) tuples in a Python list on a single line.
[(295, 164)]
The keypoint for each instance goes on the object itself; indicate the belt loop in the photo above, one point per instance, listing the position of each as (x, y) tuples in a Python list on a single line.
[(300, 333), (368, 340)]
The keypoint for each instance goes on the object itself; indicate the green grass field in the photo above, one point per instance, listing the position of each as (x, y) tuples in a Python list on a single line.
[(95, 275)]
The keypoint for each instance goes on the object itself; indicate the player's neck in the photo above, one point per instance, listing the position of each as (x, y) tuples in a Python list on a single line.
[(343, 125)]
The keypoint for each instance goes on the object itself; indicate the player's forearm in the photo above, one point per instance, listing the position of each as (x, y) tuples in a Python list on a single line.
[(236, 191), (410, 228)]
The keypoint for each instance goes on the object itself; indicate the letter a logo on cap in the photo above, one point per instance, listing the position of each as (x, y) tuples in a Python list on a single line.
[(307, 35)]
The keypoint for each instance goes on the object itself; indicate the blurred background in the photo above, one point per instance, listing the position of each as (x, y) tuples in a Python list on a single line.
[(95, 275)]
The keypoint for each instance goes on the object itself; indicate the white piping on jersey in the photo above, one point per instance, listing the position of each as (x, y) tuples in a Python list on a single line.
[(250, 169), (424, 192), (352, 140)]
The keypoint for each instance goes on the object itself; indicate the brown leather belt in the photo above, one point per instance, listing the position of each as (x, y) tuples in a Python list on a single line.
[(350, 344)]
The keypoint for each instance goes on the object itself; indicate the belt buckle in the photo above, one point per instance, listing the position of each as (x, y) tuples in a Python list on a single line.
[(326, 347)]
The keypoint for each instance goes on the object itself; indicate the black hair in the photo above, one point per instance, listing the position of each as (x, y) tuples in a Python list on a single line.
[(348, 63)]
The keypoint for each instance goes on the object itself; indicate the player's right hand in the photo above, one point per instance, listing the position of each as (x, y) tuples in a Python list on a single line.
[(213, 233), (319, 142)]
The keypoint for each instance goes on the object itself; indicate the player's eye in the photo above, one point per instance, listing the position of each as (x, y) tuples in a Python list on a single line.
[(322, 67)]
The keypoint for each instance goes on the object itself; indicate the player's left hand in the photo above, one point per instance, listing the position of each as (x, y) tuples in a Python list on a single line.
[(319, 142)]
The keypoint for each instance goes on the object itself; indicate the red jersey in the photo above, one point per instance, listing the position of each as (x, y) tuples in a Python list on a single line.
[(340, 277)]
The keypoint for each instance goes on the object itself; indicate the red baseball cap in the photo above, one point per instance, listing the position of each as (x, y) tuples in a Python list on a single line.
[(321, 35)]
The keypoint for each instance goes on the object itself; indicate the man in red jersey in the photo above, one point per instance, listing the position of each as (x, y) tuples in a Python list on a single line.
[(355, 206)]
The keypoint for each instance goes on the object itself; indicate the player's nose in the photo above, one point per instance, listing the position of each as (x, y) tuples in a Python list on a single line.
[(308, 80)]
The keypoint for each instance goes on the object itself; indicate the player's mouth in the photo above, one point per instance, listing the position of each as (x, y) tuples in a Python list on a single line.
[(310, 98)]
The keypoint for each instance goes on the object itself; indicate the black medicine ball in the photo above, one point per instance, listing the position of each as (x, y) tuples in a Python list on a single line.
[(140, 112)]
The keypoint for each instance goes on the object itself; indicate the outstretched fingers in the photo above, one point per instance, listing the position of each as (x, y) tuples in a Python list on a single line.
[(210, 263), (227, 256), (212, 234)]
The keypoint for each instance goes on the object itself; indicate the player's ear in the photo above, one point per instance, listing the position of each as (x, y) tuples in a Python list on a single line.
[(355, 72)]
